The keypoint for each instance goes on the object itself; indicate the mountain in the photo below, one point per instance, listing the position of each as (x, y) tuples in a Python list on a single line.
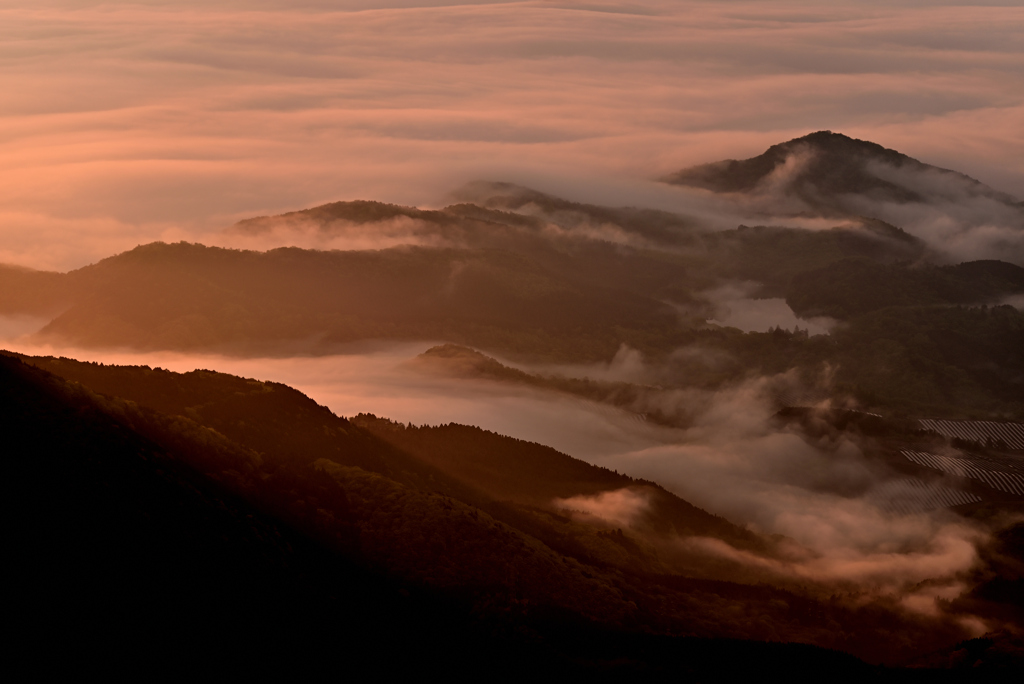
[(829, 176), (201, 510), (129, 552), (579, 301), (538, 279), (188, 296), (488, 214), (282, 425), (195, 298), (822, 167), (162, 516)]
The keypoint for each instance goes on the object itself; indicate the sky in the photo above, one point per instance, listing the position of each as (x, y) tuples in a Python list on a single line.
[(123, 123)]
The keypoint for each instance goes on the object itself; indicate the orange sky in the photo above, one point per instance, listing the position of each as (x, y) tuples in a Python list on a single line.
[(123, 123)]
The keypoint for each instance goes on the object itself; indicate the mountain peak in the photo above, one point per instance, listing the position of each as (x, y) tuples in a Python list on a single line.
[(836, 144), (819, 164), (833, 175)]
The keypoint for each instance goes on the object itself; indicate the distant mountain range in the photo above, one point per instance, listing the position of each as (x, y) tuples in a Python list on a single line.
[(569, 282), (529, 276)]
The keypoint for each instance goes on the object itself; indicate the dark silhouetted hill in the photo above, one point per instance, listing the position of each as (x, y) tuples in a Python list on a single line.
[(822, 167), (262, 539)]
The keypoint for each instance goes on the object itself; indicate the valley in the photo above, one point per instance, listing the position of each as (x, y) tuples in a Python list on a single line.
[(519, 422)]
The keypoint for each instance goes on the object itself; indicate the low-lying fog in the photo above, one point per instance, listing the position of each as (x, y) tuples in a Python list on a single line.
[(736, 308), (731, 462)]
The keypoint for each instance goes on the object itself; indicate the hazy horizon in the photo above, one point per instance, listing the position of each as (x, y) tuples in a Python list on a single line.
[(127, 123)]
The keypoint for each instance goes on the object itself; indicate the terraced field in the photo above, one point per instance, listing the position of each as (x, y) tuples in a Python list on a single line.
[(1005, 474), (983, 431), (911, 495)]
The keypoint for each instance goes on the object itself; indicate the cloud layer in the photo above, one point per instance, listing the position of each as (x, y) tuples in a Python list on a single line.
[(124, 123)]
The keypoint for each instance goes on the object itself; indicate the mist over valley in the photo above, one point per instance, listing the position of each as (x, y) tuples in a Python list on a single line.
[(365, 351)]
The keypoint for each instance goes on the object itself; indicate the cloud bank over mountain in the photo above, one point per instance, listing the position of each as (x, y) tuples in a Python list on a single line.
[(830, 175), (167, 120)]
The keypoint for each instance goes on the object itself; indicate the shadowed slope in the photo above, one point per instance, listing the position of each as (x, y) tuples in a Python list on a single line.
[(536, 475), (130, 557), (285, 426), (542, 590)]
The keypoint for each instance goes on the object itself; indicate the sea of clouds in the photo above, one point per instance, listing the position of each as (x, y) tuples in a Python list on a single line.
[(123, 123)]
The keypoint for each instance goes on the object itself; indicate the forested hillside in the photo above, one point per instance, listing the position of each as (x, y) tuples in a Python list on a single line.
[(442, 511)]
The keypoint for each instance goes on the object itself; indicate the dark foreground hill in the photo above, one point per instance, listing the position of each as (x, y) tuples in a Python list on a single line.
[(196, 516)]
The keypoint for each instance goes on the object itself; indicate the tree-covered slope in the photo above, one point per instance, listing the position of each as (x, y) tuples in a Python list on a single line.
[(130, 555), (533, 474), (193, 297), (851, 287), (282, 426), (419, 517)]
